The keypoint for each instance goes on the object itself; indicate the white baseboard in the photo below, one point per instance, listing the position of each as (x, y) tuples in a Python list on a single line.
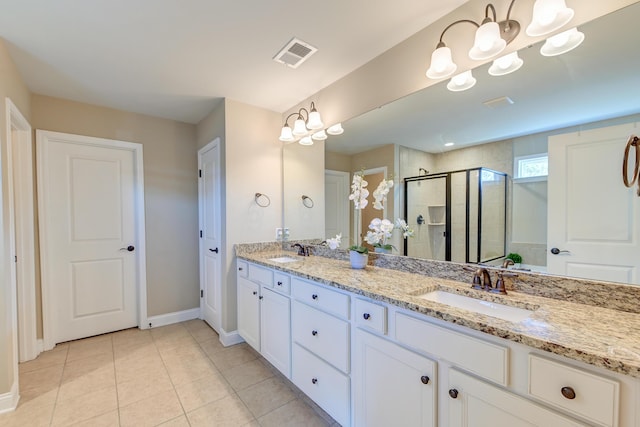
[(40, 345), (230, 338), (9, 401), (170, 318)]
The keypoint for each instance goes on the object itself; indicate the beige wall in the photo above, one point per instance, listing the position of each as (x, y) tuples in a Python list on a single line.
[(337, 161), (12, 86), (304, 174), (252, 164), (170, 179)]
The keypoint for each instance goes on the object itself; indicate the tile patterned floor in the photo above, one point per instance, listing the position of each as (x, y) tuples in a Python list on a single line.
[(177, 375)]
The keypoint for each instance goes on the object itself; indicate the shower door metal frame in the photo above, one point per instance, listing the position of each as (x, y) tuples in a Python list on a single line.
[(447, 177)]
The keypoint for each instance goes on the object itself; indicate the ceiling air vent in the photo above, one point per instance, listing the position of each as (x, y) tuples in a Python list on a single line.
[(294, 53), (503, 101)]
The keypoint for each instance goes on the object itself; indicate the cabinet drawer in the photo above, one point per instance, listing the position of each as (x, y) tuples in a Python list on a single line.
[(261, 275), (370, 315), (483, 358), (322, 334), (594, 398), (282, 283), (320, 297), (243, 268), (324, 384)]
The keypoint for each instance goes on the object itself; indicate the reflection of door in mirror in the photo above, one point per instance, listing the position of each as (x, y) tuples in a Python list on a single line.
[(593, 218), (336, 190), (373, 177)]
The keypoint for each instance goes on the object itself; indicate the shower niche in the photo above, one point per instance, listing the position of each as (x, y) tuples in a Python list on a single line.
[(457, 216)]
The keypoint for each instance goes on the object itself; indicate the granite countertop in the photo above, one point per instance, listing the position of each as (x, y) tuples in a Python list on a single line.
[(601, 337)]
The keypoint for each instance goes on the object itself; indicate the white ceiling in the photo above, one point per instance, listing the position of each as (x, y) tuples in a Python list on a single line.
[(177, 59), (598, 80)]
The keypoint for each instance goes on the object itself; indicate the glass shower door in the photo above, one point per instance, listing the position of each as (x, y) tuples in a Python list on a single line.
[(427, 215)]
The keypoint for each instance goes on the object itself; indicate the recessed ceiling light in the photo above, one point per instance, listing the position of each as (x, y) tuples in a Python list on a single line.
[(449, 144)]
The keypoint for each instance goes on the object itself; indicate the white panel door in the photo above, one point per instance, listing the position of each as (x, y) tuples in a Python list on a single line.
[(210, 243), (336, 188), (88, 229), (593, 219)]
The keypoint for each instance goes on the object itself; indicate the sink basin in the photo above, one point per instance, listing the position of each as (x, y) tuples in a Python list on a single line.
[(283, 259), (501, 311)]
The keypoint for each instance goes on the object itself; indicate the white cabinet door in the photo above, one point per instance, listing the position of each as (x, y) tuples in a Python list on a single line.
[(392, 385), (249, 312), (473, 402), (275, 323)]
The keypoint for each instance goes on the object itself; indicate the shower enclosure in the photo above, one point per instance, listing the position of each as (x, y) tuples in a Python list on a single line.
[(457, 216)]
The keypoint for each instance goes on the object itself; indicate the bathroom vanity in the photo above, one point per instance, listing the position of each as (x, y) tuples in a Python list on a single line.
[(377, 347)]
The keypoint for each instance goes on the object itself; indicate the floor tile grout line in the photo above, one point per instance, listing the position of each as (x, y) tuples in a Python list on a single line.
[(171, 379), (55, 402), (115, 379)]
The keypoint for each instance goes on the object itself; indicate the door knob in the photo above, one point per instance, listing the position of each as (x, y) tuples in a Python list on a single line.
[(129, 248), (214, 250), (557, 251)]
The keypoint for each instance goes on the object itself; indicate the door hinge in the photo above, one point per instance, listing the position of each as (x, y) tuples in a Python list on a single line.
[(199, 173), (15, 258), (201, 234), (201, 293)]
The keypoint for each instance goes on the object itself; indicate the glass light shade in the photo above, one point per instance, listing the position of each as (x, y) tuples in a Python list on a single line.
[(488, 42), (335, 129), (306, 141), (548, 16), (506, 64), (442, 65), (562, 42), (286, 135), (299, 127), (462, 81), (314, 121), (319, 136)]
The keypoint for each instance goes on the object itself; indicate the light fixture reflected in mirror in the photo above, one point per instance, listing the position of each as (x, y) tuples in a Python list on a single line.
[(306, 140), (506, 64), (562, 43), (462, 81), (335, 129), (319, 136), (492, 37), (307, 127)]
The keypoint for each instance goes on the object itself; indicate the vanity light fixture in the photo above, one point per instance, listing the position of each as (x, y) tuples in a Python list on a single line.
[(492, 37), (302, 124), (307, 127)]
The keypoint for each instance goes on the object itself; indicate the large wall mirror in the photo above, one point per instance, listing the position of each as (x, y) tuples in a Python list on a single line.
[(494, 124)]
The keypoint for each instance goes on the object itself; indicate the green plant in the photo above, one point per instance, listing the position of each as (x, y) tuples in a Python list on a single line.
[(359, 249), (516, 258)]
